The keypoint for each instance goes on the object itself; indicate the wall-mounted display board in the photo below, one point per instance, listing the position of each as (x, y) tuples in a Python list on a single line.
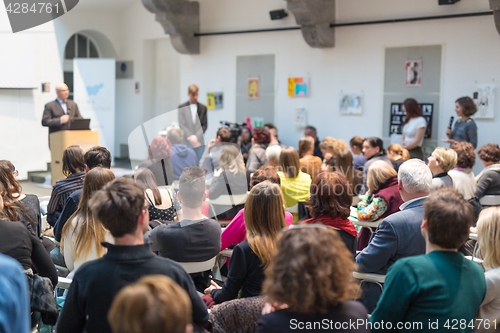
[(398, 117)]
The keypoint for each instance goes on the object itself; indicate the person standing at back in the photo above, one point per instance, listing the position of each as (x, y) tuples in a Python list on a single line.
[(414, 128), (193, 120)]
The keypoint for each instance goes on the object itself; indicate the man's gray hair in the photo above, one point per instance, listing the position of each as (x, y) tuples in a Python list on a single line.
[(273, 153), (415, 176)]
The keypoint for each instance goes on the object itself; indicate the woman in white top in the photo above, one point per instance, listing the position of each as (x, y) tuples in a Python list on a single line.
[(82, 234), (488, 235), (462, 175), (414, 128)]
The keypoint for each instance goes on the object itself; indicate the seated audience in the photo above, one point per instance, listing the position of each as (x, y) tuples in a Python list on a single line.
[(195, 238), (159, 153), (313, 133), (257, 156), (273, 155), (19, 206), (441, 286), (74, 169), (230, 179), (356, 145), (154, 304), (83, 234), (18, 243), (395, 155), (14, 297), (398, 235), (122, 209), (182, 156), (264, 220), (95, 157), (330, 204), (163, 204), (488, 181), (330, 147), (381, 200), (308, 282), (462, 175), (373, 150), (295, 184), (236, 231), (344, 166), (440, 162), (245, 142), (309, 163), (488, 235), (211, 156), (274, 137)]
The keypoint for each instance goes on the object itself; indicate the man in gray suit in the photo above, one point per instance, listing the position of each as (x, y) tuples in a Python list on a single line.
[(57, 114), (193, 121), (398, 236)]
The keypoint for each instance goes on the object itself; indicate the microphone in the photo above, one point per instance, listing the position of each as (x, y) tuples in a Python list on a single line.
[(451, 121)]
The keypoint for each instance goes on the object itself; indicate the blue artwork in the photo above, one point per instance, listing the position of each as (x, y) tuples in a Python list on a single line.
[(93, 90)]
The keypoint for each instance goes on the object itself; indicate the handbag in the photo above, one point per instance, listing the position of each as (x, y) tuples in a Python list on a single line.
[(42, 297)]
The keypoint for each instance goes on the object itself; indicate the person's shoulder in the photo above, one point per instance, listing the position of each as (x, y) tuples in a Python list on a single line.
[(76, 194), (51, 103), (184, 104), (243, 247), (355, 308), (15, 227), (30, 198)]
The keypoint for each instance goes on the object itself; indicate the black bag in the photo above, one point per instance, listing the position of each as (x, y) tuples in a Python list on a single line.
[(42, 297)]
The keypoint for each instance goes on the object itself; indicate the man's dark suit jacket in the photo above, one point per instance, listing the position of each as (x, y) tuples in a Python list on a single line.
[(186, 121), (54, 111)]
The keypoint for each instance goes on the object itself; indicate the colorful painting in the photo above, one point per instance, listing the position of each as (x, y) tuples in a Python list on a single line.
[(253, 88), (413, 73), (298, 87), (215, 100)]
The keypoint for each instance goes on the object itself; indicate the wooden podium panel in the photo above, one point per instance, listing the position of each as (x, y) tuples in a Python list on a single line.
[(62, 140)]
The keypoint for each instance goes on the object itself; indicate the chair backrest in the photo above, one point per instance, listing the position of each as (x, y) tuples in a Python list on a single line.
[(63, 283), (490, 200), (293, 209), (229, 200), (197, 267)]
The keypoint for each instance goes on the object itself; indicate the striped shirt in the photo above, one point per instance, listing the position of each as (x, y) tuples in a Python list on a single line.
[(60, 192)]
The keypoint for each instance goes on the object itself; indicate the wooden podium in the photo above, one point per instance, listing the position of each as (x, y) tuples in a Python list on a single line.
[(62, 140)]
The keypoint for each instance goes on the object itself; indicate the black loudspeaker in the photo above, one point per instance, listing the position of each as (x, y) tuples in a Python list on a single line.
[(448, 2), (278, 14)]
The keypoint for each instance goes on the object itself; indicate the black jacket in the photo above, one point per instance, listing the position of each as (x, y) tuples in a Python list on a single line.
[(187, 125), (53, 113)]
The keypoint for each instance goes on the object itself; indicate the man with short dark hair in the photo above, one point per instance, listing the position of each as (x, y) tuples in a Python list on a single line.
[(195, 238), (182, 156), (210, 159), (121, 208), (440, 287), (311, 131)]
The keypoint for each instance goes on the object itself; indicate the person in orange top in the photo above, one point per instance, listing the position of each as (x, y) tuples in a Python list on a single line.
[(309, 163)]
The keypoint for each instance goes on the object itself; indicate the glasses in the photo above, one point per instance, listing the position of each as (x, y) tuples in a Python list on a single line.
[(16, 173)]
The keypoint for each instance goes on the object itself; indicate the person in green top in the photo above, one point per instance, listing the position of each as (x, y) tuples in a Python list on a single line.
[(440, 291)]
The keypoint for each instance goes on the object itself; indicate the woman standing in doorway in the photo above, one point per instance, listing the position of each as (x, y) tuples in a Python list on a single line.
[(414, 129)]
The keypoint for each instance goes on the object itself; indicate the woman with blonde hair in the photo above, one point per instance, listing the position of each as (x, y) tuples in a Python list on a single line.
[(309, 163), (264, 220), (440, 162), (382, 198), (310, 280), (83, 234), (488, 235)]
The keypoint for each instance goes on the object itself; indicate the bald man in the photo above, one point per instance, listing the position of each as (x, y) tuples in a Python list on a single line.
[(57, 113)]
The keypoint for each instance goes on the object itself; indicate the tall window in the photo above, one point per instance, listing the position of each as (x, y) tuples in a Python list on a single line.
[(78, 46)]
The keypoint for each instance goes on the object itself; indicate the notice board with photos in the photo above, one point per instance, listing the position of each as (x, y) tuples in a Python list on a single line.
[(398, 117)]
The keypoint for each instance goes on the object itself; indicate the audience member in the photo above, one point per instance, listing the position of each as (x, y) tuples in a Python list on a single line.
[(465, 128), (264, 220), (83, 234), (311, 131), (356, 144), (154, 304), (395, 155), (230, 179), (273, 155), (309, 282), (440, 162), (330, 147), (74, 169), (488, 180), (398, 235), (163, 205), (462, 175), (344, 166), (441, 286), (381, 200), (294, 183), (274, 138), (95, 157), (195, 238), (414, 127), (211, 156), (330, 204), (182, 156), (257, 156), (245, 142), (14, 297), (488, 235), (236, 231), (159, 153), (373, 149), (193, 120), (309, 163), (122, 209)]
